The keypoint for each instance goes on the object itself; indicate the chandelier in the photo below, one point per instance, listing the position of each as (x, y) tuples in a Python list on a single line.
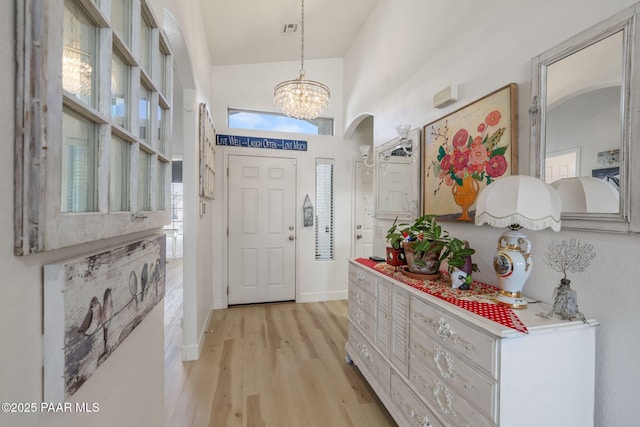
[(301, 98), (76, 70), (77, 64)]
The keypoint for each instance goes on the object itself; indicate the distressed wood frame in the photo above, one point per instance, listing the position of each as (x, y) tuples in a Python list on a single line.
[(207, 145), (39, 224), (92, 304), (628, 219)]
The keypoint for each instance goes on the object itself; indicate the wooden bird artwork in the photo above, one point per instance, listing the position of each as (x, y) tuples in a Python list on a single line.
[(93, 318), (107, 314), (99, 316), (156, 275), (144, 278), (133, 286)]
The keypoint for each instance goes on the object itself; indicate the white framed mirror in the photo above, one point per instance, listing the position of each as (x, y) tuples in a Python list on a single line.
[(583, 135), (397, 177)]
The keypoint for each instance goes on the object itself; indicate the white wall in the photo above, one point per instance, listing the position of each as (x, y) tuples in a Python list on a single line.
[(129, 386), (183, 23), (410, 49), (251, 86)]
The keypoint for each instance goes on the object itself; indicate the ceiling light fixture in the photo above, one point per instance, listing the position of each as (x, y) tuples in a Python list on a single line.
[(301, 98)]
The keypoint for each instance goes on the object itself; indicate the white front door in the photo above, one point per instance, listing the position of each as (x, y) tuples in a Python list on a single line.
[(262, 234), (364, 211)]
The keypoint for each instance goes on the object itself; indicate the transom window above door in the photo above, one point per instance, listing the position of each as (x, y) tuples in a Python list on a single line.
[(270, 121)]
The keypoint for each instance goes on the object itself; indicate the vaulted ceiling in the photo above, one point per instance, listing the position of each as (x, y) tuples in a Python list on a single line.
[(251, 31)]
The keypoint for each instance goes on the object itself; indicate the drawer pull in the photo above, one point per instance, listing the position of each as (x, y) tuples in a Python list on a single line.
[(447, 371), (364, 351), (423, 420), (443, 330), (361, 279), (440, 391), (357, 297), (359, 318), (361, 302), (443, 398)]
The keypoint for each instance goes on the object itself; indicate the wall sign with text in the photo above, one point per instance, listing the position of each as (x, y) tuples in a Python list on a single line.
[(256, 142)]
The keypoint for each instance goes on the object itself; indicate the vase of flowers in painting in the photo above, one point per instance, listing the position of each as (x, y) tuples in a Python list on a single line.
[(465, 196), (467, 160)]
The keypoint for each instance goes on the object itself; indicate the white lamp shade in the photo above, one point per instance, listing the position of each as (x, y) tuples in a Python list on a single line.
[(403, 131), (587, 194), (519, 199)]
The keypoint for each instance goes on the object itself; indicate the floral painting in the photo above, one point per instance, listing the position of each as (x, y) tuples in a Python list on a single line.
[(467, 150)]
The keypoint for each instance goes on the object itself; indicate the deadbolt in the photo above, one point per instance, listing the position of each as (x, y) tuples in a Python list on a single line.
[(291, 237)]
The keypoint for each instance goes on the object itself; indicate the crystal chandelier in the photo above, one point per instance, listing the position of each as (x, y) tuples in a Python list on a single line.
[(301, 98), (77, 63), (76, 70)]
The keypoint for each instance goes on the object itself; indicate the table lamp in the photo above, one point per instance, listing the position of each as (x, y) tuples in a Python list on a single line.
[(587, 194), (516, 202)]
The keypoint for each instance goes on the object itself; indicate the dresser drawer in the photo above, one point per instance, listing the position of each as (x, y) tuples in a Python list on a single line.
[(365, 280), (449, 406), (365, 322), (456, 336), (372, 364), (454, 372), (363, 300), (415, 412)]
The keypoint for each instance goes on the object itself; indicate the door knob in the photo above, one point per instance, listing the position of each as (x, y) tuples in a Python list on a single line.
[(291, 237), (358, 236)]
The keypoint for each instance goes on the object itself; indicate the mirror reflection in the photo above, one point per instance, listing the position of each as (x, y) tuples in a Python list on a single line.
[(583, 126), (398, 177)]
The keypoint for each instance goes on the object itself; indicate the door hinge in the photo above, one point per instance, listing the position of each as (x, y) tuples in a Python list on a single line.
[(227, 172), (227, 231), (227, 290)]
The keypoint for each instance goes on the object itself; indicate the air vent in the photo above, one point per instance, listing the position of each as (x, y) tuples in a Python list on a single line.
[(289, 29)]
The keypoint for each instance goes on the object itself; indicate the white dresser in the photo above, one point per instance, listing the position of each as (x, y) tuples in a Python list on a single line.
[(435, 364)]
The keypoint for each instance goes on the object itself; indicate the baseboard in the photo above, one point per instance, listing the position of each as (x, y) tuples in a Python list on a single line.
[(192, 352), (220, 304), (323, 296)]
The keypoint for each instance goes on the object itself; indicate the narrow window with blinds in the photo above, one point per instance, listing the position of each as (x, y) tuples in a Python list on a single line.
[(324, 209)]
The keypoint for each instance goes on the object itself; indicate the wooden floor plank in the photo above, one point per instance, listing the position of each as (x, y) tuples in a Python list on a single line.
[(265, 365)]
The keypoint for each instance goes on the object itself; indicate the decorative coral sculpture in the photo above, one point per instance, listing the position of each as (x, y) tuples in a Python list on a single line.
[(574, 256)]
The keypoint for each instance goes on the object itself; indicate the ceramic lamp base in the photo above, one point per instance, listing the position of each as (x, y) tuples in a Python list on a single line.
[(513, 300), (512, 264)]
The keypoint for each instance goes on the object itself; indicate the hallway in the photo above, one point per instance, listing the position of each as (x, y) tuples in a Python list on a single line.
[(265, 365)]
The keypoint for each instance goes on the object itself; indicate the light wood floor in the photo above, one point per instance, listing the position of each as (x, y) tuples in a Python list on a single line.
[(266, 365)]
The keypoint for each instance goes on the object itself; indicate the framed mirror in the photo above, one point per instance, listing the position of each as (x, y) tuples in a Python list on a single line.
[(584, 136), (397, 177)]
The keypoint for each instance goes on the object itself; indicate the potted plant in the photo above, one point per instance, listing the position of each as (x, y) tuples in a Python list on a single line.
[(460, 265), (426, 245), (395, 251)]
